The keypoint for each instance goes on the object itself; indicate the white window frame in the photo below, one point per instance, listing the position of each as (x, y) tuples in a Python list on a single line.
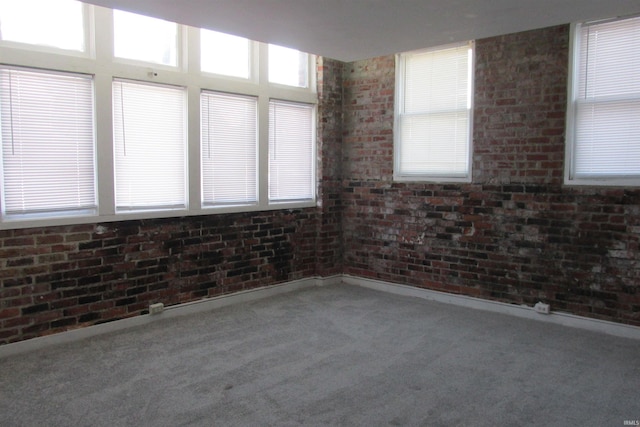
[(99, 62), (570, 177), (399, 111)]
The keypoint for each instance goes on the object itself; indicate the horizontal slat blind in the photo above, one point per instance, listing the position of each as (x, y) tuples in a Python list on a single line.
[(434, 114), (150, 146), (607, 134), (48, 160), (291, 145), (229, 148)]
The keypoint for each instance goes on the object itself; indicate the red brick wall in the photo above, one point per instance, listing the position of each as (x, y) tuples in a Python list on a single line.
[(57, 278), (516, 234), (329, 249)]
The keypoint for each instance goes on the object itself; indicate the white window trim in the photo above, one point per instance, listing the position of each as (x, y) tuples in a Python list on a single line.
[(99, 62), (572, 92), (399, 100)]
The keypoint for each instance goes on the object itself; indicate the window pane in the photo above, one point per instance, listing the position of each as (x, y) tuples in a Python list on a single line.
[(145, 39), (436, 143), (47, 142), (57, 23), (288, 66), (150, 146), (291, 172), (229, 148), (224, 54), (610, 59), (608, 139), (437, 81)]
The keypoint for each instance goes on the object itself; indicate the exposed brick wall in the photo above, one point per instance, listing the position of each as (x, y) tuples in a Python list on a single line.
[(329, 250), (520, 107), (368, 119), (515, 234), (58, 278)]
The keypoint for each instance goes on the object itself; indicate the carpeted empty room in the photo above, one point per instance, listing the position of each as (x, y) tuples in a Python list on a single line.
[(331, 355), (284, 212)]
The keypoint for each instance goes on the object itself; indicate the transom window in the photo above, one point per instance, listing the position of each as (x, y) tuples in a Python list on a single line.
[(225, 54), (57, 24), (160, 120), (288, 66), (142, 38)]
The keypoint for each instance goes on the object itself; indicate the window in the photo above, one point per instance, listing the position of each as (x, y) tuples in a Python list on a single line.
[(143, 118), (224, 54), (145, 39), (433, 114), (149, 143), (47, 143), (604, 104), (229, 148), (290, 151), (288, 66), (58, 23)]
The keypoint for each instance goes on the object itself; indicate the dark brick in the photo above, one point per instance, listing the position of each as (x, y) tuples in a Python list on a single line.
[(35, 309), (89, 299), (89, 317)]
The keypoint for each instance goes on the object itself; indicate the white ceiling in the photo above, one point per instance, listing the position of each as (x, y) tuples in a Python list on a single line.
[(349, 30)]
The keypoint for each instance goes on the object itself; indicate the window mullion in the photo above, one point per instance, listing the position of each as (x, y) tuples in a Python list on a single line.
[(263, 125), (104, 142), (191, 52)]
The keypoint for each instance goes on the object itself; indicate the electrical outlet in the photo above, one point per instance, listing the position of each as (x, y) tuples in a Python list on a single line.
[(156, 308), (542, 308)]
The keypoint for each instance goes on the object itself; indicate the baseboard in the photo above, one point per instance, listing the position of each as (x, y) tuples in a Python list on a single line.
[(208, 304), (184, 309), (564, 319)]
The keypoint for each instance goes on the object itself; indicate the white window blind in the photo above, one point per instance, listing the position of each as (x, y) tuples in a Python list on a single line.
[(47, 142), (291, 145), (229, 148), (150, 146), (607, 102), (434, 113)]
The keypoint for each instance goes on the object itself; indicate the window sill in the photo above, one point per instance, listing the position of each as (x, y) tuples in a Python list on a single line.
[(11, 224)]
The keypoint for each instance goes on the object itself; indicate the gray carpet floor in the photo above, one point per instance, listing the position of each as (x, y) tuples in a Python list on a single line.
[(335, 355)]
